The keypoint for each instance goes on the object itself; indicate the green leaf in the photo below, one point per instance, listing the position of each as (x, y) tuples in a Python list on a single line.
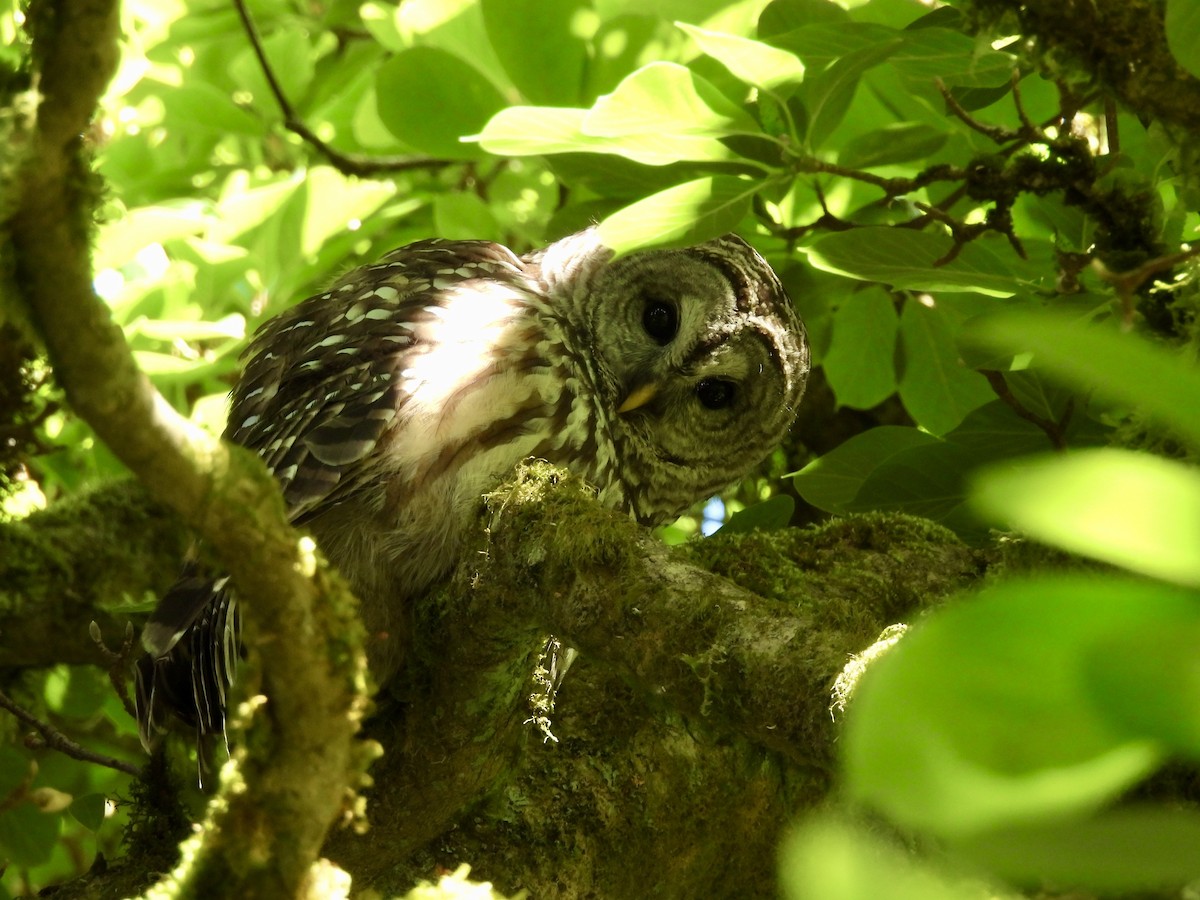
[(334, 201), (782, 16), (686, 214), (771, 514), (895, 143), (545, 62), (981, 716), (230, 327), (928, 481), (832, 481), (905, 259), (1147, 683), (665, 97), (832, 860), (937, 389), (27, 835), (199, 106), (994, 432), (1131, 509), (292, 62), (429, 99), (463, 217), (15, 767), (860, 362), (1122, 368), (930, 53), (536, 130), (751, 61), (827, 95), (820, 44), (88, 811), (1183, 33), (1120, 851)]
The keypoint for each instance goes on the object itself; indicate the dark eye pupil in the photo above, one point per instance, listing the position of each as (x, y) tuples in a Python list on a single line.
[(660, 321), (715, 393)]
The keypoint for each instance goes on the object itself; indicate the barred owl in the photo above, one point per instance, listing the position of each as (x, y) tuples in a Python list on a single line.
[(389, 404)]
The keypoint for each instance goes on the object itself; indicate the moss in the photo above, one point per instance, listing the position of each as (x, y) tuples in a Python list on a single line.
[(1120, 43)]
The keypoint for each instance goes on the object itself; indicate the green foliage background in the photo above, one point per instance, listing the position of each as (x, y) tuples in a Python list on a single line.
[(1005, 289)]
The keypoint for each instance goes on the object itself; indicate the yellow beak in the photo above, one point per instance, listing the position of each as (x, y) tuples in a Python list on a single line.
[(639, 396)]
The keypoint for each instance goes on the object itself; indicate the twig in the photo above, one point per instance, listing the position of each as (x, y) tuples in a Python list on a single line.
[(56, 740), (118, 662), (1127, 283), (996, 133), (346, 163), (1029, 131), (893, 187), (1055, 431)]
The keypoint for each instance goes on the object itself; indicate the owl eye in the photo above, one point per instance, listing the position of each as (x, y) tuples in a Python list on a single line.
[(715, 393), (661, 321)]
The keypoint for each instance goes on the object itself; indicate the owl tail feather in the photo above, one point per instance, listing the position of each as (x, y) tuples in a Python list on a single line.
[(192, 646)]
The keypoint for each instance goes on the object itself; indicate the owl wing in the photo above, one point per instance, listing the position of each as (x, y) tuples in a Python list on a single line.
[(323, 384)]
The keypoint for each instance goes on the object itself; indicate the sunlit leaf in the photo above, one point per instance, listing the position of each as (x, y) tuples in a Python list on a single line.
[(685, 214), (545, 62), (981, 717), (667, 98), (535, 130), (752, 61), (952, 56), (429, 99), (1131, 509)]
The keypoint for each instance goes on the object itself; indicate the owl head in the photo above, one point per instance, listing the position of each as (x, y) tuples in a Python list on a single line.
[(698, 355)]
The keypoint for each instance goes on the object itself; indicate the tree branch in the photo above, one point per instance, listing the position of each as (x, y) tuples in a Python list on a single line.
[(83, 559), (268, 832), (679, 664), (56, 740), (346, 163)]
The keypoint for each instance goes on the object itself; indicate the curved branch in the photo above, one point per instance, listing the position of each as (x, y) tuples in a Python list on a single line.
[(271, 828), (700, 672), (346, 163), (83, 559)]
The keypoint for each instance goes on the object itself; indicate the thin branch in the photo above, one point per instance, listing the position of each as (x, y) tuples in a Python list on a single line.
[(1127, 283), (56, 740), (1055, 431), (308, 761), (119, 662), (346, 163), (893, 187)]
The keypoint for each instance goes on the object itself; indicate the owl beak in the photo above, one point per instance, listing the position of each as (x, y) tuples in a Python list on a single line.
[(638, 397)]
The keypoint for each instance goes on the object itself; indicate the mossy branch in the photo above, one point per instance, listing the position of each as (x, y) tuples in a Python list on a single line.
[(86, 558), (1121, 44), (270, 830), (737, 667)]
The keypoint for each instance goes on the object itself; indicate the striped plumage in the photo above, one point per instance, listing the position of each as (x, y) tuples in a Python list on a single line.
[(389, 404)]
